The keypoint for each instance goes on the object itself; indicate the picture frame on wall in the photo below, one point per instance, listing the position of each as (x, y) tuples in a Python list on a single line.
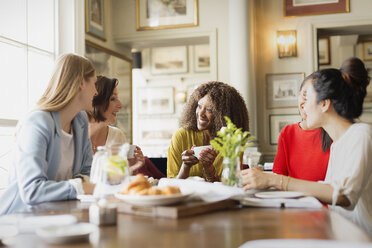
[(282, 89), (169, 60), (277, 122), (155, 131), (315, 7), (95, 23), (201, 58), (324, 51), (156, 100), (367, 50), (157, 14)]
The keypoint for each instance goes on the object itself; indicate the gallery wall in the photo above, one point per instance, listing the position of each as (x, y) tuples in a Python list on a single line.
[(269, 19)]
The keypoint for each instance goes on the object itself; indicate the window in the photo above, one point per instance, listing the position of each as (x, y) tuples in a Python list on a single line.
[(28, 49)]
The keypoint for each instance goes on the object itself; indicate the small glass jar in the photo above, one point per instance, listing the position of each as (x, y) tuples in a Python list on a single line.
[(231, 172)]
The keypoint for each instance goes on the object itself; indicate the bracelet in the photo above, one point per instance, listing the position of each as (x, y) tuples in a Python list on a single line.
[(286, 185), (210, 174), (281, 182)]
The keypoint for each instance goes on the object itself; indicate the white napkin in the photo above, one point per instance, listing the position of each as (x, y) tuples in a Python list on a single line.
[(209, 192), (303, 243), (31, 223), (304, 202)]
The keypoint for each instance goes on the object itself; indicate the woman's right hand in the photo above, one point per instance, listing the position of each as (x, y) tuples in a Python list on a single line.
[(188, 158)]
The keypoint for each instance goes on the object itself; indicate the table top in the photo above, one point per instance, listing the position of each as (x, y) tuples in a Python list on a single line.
[(227, 228)]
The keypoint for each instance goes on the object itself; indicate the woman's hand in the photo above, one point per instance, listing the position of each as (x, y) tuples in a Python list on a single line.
[(188, 158), (137, 162), (207, 157), (255, 178)]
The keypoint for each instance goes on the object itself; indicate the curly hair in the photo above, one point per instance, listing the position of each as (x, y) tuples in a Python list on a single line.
[(226, 101), (105, 87)]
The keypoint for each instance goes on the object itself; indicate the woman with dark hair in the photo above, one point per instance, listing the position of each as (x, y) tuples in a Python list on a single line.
[(106, 105), (334, 100), (200, 121), (303, 153)]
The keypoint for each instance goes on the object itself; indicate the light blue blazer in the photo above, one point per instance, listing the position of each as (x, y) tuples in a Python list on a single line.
[(36, 160)]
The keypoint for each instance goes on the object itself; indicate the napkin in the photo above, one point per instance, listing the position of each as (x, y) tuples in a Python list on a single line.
[(308, 202), (304, 243), (206, 191)]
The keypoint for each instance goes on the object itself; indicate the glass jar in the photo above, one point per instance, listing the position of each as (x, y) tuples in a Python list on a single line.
[(231, 172), (110, 169)]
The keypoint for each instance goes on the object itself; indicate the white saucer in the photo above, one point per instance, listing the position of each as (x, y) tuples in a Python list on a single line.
[(278, 194), (67, 233)]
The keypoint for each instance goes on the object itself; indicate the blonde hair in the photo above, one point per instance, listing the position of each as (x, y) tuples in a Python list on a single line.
[(68, 75)]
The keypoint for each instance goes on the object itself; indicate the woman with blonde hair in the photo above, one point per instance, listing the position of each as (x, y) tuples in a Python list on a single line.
[(52, 151)]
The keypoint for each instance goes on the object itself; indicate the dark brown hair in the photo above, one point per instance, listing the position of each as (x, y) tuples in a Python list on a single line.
[(105, 87), (226, 101)]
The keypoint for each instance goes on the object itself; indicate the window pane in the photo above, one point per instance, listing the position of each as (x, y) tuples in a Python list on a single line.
[(40, 65), (13, 19), (6, 145), (41, 24), (13, 84)]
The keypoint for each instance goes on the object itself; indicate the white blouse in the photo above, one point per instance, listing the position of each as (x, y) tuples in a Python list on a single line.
[(349, 173)]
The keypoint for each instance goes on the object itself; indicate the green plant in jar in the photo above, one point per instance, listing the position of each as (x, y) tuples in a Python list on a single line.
[(231, 143)]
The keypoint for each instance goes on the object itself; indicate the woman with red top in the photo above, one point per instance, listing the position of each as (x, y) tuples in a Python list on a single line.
[(302, 153)]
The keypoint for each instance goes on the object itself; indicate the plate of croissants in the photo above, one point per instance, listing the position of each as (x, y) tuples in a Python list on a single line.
[(140, 192)]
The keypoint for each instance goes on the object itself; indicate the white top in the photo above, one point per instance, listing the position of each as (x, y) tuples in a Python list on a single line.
[(114, 136), (349, 173), (67, 157)]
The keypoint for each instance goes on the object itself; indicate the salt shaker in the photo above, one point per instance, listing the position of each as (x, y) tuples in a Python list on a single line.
[(102, 213)]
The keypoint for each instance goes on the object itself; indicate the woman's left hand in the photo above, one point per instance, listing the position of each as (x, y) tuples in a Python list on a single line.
[(207, 157), (137, 162), (255, 178)]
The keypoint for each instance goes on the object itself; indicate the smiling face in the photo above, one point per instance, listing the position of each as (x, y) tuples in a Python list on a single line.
[(302, 98), (312, 110), (113, 108), (204, 114)]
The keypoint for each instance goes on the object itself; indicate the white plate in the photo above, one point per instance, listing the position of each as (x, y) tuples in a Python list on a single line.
[(279, 194), (66, 233), (152, 200)]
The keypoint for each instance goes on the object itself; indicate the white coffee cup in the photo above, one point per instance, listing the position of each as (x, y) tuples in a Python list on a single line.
[(131, 150), (197, 150)]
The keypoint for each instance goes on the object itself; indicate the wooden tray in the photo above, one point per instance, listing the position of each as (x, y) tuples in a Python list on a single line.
[(176, 211)]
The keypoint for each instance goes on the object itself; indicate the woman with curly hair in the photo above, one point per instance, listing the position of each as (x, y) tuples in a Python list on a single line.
[(200, 121)]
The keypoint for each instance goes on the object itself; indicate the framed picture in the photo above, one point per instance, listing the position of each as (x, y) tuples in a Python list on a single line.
[(282, 89), (277, 122), (157, 131), (367, 50), (315, 7), (159, 14), (201, 58), (95, 23), (324, 54), (112, 64), (158, 100), (168, 60)]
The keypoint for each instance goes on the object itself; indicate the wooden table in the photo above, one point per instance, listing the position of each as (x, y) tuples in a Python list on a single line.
[(228, 228)]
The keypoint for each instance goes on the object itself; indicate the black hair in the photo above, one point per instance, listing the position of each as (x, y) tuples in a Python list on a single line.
[(346, 88)]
